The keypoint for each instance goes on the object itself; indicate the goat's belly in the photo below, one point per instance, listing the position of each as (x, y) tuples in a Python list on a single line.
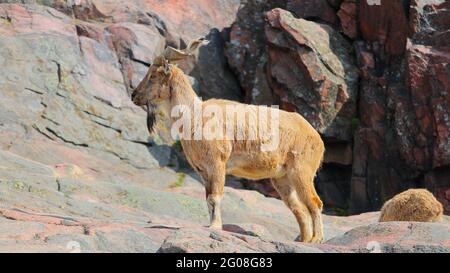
[(254, 169)]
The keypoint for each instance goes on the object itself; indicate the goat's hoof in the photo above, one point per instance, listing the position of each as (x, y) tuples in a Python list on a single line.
[(303, 240), (216, 226), (317, 240)]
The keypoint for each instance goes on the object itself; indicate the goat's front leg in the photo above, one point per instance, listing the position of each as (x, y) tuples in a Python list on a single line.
[(214, 185), (215, 215)]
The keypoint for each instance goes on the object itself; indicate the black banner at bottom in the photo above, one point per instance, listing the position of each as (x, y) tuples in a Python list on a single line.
[(223, 262)]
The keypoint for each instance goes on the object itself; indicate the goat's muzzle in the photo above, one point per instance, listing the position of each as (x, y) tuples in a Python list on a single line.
[(135, 98)]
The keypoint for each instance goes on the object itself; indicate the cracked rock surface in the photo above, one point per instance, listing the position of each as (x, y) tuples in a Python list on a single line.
[(78, 170)]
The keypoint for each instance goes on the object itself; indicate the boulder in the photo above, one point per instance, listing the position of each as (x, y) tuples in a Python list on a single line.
[(246, 50), (139, 29), (396, 237), (312, 72), (314, 77), (323, 78), (401, 139), (207, 241)]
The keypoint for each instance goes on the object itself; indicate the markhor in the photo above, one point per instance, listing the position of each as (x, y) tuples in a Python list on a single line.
[(186, 263)]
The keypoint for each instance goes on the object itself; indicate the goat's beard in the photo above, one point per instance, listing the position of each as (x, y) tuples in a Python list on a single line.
[(151, 116)]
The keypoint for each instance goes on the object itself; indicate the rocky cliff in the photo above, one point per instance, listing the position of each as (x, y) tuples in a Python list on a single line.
[(371, 77), (79, 172)]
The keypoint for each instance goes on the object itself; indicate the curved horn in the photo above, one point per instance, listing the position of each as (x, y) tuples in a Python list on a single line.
[(172, 54), (194, 45)]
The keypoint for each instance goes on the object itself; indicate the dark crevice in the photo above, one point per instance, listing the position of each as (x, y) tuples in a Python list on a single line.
[(59, 72), (61, 95), (141, 62), (43, 133), (107, 126), (80, 47), (159, 23), (127, 160), (92, 169), (58, 185), (147, 144), (406, 6), (65, 140), (106, 102), (34, 91), (50, 120), (65, 219), (163, 227), (95, 115)]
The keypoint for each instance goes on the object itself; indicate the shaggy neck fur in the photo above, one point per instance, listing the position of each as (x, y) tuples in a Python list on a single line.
[(181, 90)]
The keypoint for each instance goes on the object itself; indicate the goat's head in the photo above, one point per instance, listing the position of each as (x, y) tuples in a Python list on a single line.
[(155, 86)]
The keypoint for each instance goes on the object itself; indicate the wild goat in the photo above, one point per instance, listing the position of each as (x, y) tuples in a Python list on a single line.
[(291, 166), (416, 205)]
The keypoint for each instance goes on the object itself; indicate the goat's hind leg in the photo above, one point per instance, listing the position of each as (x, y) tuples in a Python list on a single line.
[(316, 214), (290, 197), (214, 185), (303, 180)]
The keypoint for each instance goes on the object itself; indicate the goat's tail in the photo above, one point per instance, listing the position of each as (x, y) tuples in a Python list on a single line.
[(320, 154)]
